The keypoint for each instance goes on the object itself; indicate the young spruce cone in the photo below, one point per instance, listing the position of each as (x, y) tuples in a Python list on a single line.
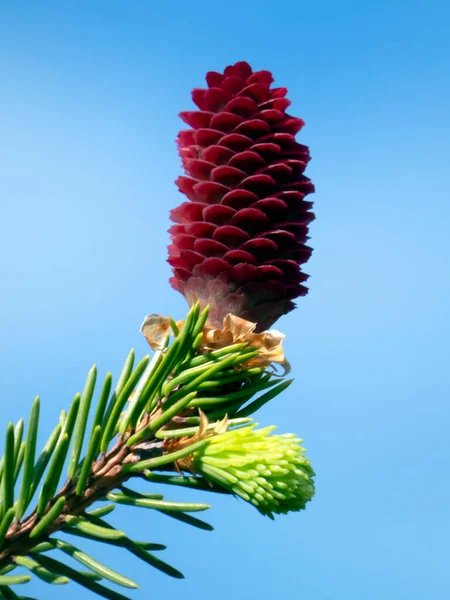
[(239, 241)]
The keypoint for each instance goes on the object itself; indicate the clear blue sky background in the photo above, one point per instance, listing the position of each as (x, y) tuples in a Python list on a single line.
[(89, 97)]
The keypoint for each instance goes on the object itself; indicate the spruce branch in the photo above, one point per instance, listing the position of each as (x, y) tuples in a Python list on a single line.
[(187, 412)]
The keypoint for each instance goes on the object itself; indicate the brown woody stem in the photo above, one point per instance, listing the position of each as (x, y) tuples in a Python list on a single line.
[(106, 475)]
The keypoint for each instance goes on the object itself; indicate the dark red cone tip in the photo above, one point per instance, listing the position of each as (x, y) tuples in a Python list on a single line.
[(238, 242)]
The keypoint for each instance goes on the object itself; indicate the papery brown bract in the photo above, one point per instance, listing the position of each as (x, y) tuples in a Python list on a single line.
[(239, 241)]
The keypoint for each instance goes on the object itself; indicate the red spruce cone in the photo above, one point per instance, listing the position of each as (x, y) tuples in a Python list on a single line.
[(239, 241)]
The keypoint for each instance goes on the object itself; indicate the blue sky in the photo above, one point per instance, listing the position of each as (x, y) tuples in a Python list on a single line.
[(89, 97)]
